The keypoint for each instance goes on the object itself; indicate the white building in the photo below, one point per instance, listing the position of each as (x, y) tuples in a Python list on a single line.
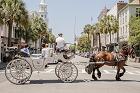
[(101, 16), (43, 10), (114, 36), (131, 9)]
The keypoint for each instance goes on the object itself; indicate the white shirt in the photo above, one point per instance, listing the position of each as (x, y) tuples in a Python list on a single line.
[(60, 42), (46, 52), (25, 50)]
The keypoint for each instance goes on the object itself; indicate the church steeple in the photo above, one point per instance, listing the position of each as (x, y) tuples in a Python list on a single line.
[(43, 2), (43, 10)]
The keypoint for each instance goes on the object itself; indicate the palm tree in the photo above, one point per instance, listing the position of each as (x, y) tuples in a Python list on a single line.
[(39, 29), (87, 30), (109, 24), (11, 10), (115, 27), (98, 32)]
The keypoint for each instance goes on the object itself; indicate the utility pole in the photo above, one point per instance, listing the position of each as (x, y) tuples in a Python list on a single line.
[(75, 35)]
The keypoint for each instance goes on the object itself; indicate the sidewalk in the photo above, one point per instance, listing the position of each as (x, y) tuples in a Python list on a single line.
[(132, 63)]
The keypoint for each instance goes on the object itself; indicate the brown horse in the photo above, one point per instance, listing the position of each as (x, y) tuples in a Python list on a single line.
[(111, 59)]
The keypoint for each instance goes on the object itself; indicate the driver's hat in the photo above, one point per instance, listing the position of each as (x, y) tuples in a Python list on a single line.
[(60, 34)]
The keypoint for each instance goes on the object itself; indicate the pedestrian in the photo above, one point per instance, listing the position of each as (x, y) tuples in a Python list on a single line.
[(45, 53), (60, 42)]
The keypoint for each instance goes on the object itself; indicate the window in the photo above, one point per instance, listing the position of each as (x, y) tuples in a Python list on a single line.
[(126, 28), (123, 18), (137, 12), (123, 30), (126, 16)]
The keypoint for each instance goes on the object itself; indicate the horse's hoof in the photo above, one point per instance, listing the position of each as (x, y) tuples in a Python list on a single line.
[(99, 75), (95, 78), (118, 79), (121, 74)]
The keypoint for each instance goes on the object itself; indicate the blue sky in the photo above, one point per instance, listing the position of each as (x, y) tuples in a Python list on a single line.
[(62, 14)]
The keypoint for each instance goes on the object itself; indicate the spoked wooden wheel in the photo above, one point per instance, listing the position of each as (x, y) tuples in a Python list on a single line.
[(68, 72), (57, 69), (18, 71)]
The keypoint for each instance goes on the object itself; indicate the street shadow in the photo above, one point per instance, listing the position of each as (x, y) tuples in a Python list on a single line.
[(51, 81), (106, 80), (76, 81)]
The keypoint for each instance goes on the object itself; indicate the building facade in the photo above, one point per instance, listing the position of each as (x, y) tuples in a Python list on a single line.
[(114, 36), (131, 9)]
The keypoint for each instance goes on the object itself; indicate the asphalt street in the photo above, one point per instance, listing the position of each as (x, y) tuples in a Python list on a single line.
[(47, 82)]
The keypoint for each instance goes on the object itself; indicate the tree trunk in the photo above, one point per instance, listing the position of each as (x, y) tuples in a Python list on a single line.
[(118, 36), (93, 40), (10, 25), (36, 46), (26, 37), (99, 42), (88, 42), (105, 39), (110, 37)]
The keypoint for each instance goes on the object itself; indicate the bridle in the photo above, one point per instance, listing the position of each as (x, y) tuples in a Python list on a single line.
[(128, 51)]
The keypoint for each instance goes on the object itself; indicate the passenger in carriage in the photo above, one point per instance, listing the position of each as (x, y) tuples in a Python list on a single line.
[(25, 51)]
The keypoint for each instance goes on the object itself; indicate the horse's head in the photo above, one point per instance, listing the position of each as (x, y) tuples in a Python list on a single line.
[(131, 52), (128, 51)]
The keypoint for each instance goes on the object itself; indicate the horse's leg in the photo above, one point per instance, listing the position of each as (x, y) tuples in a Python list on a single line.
[(121, 74), (122, 67), (118, 74), (93, 74), (98, 73)]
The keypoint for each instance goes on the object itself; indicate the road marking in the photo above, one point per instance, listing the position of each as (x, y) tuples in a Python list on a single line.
[(138, 72), (130, 72), (106, 72)]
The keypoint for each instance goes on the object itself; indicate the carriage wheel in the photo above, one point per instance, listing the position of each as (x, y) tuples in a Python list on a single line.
[(57, 69), (68, 72), (18, 71)]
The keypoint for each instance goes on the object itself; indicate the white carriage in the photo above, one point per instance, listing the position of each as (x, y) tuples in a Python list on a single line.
[(19, 70)]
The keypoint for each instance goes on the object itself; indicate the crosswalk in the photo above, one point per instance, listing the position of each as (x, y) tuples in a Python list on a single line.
[(82, 71)]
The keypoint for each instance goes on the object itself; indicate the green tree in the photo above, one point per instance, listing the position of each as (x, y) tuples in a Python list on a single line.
[(89, 30), (83, 44), (134, 25), (10, 11), (109, 24), (39, 29)]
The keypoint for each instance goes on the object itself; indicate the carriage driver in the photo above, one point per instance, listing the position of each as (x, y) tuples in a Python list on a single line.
[(60, 42)]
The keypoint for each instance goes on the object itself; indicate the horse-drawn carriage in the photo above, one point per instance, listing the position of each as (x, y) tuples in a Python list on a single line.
[(19, 70)]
